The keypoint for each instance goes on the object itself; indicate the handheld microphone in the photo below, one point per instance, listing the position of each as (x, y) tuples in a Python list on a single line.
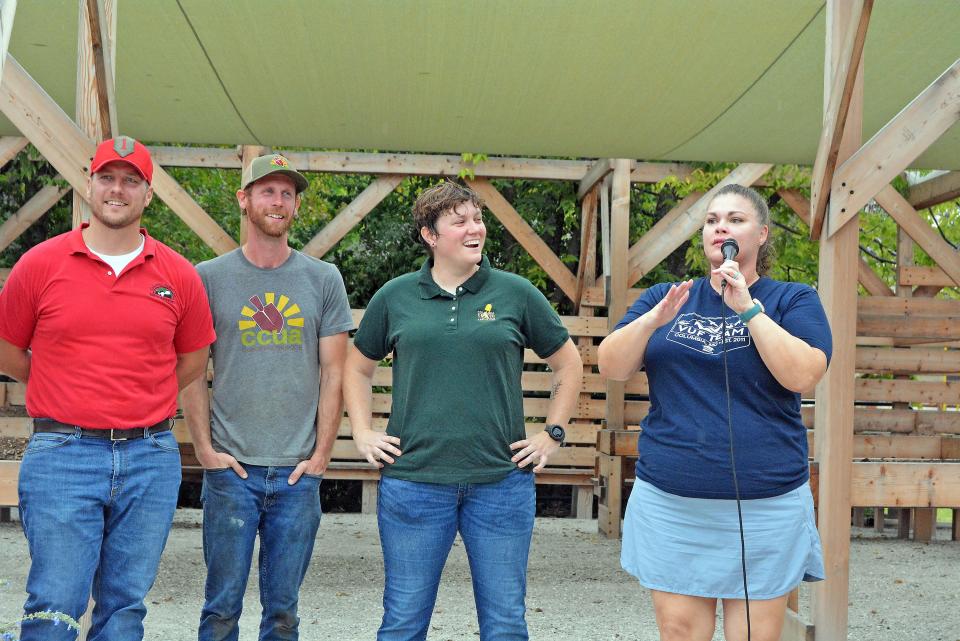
[(729, 248)]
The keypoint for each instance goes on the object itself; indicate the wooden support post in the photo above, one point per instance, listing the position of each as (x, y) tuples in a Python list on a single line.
[(349, 216), (368, 497), (924, 523), (617, 289), (955, 528), (39, 204), (841, 90), (248, 153), (835, 393), (610, 499), (587, 264), (903, 522), (94, 56)]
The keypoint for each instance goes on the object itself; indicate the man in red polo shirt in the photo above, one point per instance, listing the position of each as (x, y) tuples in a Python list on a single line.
[(105, 325)]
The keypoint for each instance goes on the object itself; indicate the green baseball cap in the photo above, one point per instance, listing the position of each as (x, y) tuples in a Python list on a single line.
[(272, 164)]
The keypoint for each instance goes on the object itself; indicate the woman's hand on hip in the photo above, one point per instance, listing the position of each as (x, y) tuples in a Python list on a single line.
[(377, 447), (534, 450)]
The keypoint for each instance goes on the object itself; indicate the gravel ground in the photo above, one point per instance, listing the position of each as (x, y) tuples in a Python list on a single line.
[(900, 590)]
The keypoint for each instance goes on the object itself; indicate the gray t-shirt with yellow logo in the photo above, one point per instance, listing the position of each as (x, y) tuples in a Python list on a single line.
[(266, 381)]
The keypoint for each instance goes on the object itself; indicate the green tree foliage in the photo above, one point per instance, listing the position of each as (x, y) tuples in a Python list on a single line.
[(381, 246)]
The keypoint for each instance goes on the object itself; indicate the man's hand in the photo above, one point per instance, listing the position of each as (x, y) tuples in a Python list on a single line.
[(312, 466), (213, 460)]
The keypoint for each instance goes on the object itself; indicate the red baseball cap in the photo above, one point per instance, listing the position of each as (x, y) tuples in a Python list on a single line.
[(124, 149)]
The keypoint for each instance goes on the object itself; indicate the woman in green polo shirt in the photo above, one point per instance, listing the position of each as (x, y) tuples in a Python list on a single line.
[(455, 456)]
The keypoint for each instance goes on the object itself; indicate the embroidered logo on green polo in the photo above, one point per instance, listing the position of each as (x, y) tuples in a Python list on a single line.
[(487, 313), (272, 321)]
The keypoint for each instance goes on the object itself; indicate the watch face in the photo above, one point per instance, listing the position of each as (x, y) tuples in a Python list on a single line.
[(556, 432)]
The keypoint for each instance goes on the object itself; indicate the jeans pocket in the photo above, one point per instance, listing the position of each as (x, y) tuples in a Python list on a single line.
[(47, 441), (318, 477), (165, 441)]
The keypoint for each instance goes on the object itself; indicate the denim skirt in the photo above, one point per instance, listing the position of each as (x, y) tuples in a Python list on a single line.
[(692, 546)]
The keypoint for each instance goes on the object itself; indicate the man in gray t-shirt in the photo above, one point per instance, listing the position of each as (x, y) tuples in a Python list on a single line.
[(282, 320)]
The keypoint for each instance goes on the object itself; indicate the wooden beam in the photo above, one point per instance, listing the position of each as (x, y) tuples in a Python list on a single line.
[(208, 157), (870, 280), (349, 216), (42, 121), (101, 29), (184, 206), (663, 238), (433, 165), (925, 276), (597, 173), (39, 204), (905, 485), (935, 191), (837, 286), (528, 239), (920, 230), (643, 256), (844, 77), (654, 172), (619, 279), (8, 10), (914, 360), (69, 150), (895, 146), (10, 146)]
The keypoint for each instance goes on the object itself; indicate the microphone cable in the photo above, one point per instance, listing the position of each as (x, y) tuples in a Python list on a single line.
[(733, 464)]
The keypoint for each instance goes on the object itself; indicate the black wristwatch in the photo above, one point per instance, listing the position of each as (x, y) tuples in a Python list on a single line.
[(556, 432)]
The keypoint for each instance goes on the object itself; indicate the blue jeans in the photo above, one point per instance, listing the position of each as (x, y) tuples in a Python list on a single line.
[(96, 513), (286, 517), (418, 523)]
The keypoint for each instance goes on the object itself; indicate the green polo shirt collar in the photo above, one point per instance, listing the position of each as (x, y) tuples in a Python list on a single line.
[(429, 289)]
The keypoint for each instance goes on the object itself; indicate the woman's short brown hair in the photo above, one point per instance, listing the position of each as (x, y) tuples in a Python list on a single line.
[(435, 202)]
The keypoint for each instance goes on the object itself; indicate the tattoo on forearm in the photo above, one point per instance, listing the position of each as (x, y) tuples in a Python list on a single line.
[(555, 389)]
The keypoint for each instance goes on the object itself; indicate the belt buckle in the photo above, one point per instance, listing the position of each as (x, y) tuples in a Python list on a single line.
[(119, 438)]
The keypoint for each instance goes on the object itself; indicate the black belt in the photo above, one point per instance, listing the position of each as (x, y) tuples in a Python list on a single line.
[(51, 426)]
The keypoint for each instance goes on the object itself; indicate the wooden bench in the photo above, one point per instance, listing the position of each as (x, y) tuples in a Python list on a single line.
[(572, 465)]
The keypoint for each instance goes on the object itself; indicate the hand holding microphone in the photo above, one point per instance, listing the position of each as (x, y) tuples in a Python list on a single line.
[(729, 248)]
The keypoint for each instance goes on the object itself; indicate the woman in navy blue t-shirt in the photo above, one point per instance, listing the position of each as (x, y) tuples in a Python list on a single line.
[(681, 532)]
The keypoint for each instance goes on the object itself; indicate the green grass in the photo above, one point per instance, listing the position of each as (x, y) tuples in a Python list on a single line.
[(944, 515)]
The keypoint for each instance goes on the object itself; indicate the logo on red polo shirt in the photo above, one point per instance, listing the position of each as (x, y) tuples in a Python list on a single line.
[(163, 291), (271, 320)]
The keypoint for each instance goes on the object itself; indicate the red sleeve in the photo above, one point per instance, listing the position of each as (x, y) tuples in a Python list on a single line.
[(19, 303), (195, 329)]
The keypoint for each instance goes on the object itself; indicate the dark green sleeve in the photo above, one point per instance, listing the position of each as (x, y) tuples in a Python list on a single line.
[(372, 337), (542, 327)]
